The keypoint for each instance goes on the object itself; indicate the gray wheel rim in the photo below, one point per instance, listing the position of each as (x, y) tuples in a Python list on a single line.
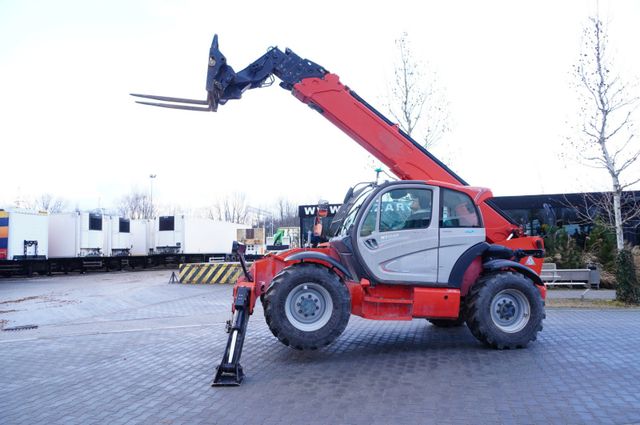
[(308, 307), (510, 310)]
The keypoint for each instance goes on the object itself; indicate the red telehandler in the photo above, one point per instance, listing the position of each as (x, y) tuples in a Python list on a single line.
[(427, 246)]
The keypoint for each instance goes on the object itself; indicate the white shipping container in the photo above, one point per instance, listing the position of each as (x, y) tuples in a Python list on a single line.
[(117, 234), (142, 236), (25, 233), (190, 235), (76, 234)]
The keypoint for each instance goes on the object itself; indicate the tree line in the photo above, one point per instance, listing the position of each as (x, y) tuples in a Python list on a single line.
[(137, 204)]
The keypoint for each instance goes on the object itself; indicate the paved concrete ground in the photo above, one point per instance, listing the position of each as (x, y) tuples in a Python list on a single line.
[(129, 348)]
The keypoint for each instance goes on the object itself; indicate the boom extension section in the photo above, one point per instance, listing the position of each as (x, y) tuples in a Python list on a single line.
[(313, 85)]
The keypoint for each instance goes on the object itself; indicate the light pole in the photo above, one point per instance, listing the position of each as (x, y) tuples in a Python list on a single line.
[(151, 177)]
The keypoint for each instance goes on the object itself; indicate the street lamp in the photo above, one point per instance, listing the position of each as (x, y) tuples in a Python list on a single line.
[(151, 177)]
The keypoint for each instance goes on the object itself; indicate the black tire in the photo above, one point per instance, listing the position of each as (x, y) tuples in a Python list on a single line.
[(505, 310), (302, 289), (447, 323)]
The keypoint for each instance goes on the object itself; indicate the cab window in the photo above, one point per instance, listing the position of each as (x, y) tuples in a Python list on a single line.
[(369, 222), (458, 210), (402, 209)]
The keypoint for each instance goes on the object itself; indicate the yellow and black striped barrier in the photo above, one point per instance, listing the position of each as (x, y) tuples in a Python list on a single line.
[(210, 273)]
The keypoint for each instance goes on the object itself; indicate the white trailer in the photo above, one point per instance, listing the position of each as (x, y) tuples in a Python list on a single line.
[(190, 235), (82, 241), (142, 236), (76, 234), (23, 234), (117, 234)]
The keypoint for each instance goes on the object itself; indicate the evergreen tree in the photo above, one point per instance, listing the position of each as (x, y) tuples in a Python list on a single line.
[(627, 288)]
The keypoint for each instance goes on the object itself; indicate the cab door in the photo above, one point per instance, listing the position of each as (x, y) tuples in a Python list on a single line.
[(460, 229), (397, 238)]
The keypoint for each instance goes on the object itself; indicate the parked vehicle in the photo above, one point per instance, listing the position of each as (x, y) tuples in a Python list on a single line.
[(442, 251), (23, 235), (178, 234)]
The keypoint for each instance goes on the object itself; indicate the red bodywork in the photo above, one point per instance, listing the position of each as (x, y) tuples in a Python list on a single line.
[(385, 141), (379, 302)]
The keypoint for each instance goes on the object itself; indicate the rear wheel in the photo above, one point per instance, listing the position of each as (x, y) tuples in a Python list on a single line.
[(307, 306), (505, 310)]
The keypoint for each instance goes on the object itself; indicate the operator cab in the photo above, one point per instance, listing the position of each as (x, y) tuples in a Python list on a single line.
[(407, 232)]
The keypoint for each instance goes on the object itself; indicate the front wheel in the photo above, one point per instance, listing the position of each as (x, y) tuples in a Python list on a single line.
[(307, 306), (505, 310)]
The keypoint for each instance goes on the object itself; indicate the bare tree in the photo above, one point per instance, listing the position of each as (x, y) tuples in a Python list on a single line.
[(47, 202), (416, 102), (599, 207), (606, 131), (232, 208), (177, 209), (136, 205), (260, 217), (284, 213), (287, 213)]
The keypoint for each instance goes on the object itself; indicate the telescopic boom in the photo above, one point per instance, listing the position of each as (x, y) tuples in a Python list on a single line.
[(322, 91)]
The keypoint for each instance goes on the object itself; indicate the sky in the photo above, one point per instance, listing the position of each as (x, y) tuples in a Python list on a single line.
[(69, 128)]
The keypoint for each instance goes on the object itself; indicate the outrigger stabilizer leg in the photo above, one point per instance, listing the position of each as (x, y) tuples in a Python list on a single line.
[(229, 372)]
